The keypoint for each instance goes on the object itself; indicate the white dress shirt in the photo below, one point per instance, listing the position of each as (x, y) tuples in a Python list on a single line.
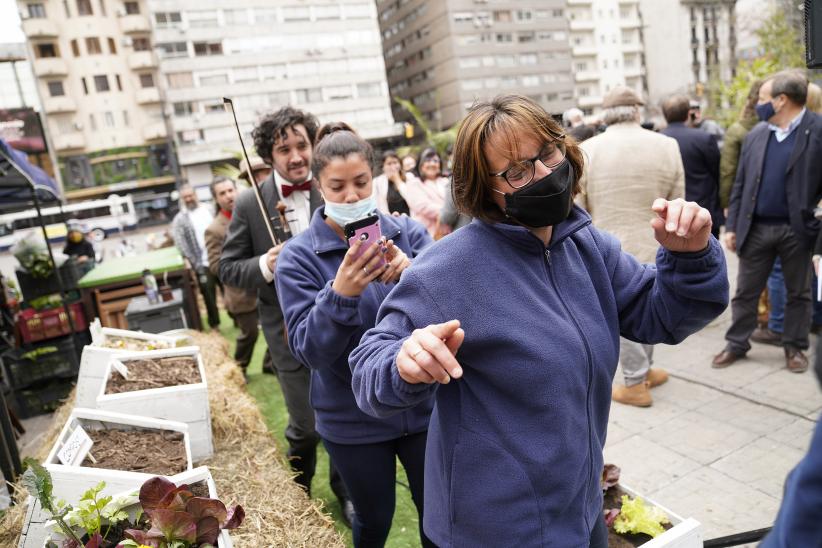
[(297, 213)]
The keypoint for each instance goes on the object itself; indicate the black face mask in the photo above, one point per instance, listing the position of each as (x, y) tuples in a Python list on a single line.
[(545, 202)]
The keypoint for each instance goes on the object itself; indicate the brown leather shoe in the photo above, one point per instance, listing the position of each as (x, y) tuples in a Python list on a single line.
[(656, 377), (763, 335), (637, 395), (795, 360), (725, 358)]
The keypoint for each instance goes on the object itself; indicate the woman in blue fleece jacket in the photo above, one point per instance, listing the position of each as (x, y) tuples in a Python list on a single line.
[(512, 324), (329, 299)]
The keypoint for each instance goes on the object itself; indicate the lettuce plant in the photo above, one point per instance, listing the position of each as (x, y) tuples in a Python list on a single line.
[(178, 519), (636, 517)]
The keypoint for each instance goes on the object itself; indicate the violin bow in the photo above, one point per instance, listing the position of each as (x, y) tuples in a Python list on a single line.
[(228, 104)]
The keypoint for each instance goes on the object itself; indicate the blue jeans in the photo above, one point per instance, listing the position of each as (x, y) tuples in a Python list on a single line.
[(776, 295)]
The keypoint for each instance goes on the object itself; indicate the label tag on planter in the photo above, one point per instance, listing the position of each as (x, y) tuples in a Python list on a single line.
[(120, 367), (75, 448)]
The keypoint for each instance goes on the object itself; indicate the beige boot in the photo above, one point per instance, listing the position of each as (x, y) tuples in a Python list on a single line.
[(656, 377), (638, 395)]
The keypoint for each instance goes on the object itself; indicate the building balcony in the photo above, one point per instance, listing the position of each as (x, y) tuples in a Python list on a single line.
[(634, 72), (131, 24), (142, 60), (630, 23), (633, 47), (147, 96), (50, 66), (582, 24), (40, 28), (586, 76), (584, 51), (154, 131), (56, 105), (590, 101), (70, 141)]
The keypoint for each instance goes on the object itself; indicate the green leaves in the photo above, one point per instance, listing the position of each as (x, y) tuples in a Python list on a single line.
[(440, 140), (37, 481), (635, 517)]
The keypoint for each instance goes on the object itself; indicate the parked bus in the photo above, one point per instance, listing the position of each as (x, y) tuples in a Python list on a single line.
[(99, 217)]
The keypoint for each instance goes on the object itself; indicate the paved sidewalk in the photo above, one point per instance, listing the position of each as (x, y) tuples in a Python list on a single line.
[(717, 444)]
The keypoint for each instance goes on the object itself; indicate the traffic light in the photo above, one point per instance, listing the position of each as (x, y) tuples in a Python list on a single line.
[(409, 131)]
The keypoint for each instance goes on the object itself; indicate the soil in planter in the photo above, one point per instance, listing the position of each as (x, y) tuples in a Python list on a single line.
[(199, 489), (156, 373), (148, 451), (613, 499)]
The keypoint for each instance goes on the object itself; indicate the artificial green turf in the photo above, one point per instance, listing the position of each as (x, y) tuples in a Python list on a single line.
[(266, 390)]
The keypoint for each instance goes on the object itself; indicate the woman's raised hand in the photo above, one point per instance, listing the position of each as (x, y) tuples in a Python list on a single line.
[(680, 225), (355, 273), (397, 262), (429, 354)]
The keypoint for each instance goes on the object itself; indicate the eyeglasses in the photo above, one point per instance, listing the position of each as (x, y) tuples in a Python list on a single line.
[(522, 173)]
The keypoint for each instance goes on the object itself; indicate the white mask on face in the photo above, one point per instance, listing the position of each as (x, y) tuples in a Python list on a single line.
[(342, 213)]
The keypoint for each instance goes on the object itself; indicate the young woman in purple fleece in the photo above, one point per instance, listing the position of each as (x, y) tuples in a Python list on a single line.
[(512, 324), (329, 298)]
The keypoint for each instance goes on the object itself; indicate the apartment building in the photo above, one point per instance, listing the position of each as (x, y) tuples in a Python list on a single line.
[(689, 44), (445, 55), (320, 55), (607, 49), (96, 74)]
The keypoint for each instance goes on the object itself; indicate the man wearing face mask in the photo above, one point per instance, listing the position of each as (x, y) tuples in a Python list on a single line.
[(770, 214), (283, 140), (627, 167)]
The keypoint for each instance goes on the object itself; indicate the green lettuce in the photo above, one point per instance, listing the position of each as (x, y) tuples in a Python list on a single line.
[(635, 517)]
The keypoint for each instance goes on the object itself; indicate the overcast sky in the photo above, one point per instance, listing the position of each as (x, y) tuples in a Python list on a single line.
[(10, 30)]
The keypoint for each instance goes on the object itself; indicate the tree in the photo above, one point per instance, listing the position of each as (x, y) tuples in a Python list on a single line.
[(439, 140)]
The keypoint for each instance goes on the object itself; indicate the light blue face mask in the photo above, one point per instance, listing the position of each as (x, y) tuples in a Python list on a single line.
[(342, 214)]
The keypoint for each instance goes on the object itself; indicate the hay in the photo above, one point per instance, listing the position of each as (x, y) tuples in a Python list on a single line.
[(247, 466)]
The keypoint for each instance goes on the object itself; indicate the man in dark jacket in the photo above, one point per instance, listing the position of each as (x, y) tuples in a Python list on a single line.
[(777, 187), (248, 259), (700, 158)]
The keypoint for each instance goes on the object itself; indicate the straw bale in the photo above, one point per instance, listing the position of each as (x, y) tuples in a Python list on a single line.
[(247, 466)]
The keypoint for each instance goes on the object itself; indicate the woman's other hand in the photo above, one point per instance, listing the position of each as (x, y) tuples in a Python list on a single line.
[(681, 226), (355, 273), (428, 355), (397, 262)]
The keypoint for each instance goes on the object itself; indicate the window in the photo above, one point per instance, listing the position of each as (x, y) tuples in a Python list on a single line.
[(312, 95), (202, 18), (214, 80), (56, 89), (101, 83), (272, 72), (505, 37), (93, 46), (37, 11), (245, 74), (472, 84), (147, 80), (75, 48), (132, 8), (358, 11), (112, 48), (528, 59), (369, 89), (296, 13), (530, 81), (213, 108), (502, 16), (109, 117), (279, 98), (84, 7), (523, 16), (526, 37), (85, 85), (119, 82), (103, 8), (183, 109), (463, 17), (141, 44), (45, 50), (167, 19), (190, 136), (125, 118), (334, 93), (173, 49), (180, 80), (235, 16), (326, 12), (208, 48), (505, 61), (92, 122), (580, 67), (469, 62)]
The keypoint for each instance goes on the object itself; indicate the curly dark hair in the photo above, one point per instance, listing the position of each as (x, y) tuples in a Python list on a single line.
[(272, 127)]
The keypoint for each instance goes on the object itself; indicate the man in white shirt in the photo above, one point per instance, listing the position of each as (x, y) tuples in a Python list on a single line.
[(188, 229), (283, 140)]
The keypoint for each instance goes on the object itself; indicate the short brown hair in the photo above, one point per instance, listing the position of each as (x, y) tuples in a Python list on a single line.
[(512, 115), (676, 109)]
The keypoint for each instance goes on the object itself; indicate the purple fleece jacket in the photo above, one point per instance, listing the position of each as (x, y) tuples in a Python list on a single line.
[(514, 451), (324, 326)]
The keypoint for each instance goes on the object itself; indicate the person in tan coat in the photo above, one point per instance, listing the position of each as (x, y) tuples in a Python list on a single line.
[(626, 168), (240, 303)]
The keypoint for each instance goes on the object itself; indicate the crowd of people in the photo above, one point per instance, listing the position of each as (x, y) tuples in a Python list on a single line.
[(477, 339)]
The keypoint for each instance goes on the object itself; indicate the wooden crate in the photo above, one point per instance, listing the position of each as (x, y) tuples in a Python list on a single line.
[(185, 403)]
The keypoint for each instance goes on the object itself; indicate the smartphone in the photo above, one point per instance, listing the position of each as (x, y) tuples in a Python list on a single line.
[(366, 230)]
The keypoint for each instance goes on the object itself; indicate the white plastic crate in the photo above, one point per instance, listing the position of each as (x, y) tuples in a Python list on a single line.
[(685, 533)]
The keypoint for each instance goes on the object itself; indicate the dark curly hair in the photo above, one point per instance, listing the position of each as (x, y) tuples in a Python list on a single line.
[(272, 127)]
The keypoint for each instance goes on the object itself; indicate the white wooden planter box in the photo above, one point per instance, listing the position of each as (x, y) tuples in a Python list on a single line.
[(685, 533), (186, 403), (96, 357)]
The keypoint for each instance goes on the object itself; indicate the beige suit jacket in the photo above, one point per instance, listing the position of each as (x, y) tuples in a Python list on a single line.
[(237, 300)]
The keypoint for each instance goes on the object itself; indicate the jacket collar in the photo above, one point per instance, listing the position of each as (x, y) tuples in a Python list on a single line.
[(324, 239), (524, 239)]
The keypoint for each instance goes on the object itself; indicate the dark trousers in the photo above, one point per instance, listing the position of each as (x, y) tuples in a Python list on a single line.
[(599, 536), (248, 324), (295, 383), (369, 471), (756, 259), (208, 289)]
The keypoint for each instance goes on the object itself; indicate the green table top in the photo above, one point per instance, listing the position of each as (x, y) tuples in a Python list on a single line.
[(131, 268)]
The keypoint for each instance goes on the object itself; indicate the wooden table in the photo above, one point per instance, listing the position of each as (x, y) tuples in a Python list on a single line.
[(108, 288)]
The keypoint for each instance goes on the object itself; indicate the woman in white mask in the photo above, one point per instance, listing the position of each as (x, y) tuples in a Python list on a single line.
[(330, 295)]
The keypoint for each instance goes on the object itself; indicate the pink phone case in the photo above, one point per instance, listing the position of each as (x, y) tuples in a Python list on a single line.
[(370, 234)]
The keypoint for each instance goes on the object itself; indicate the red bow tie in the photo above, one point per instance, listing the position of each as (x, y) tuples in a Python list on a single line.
[(288, 189)]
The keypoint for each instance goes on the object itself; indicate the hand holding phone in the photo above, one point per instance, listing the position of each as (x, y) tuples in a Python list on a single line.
[(364, 262), (367, 231)]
